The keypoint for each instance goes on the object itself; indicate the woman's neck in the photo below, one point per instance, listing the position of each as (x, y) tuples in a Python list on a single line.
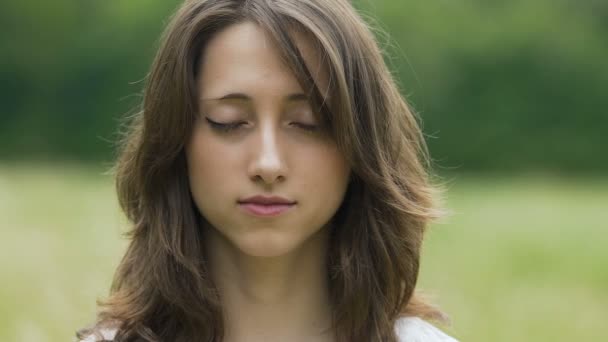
[(282, 298)]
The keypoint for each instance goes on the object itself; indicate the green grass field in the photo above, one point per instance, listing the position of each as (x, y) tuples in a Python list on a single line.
[(520, 259)]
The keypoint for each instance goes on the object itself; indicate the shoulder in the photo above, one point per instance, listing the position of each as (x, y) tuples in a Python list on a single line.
[(103, 334), (408, 329), (415, 329)]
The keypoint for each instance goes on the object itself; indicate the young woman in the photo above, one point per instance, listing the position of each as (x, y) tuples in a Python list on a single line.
[(277, 185)]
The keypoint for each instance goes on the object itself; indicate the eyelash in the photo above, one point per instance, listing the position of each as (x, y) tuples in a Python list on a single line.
[(228, 127), (224, 127)]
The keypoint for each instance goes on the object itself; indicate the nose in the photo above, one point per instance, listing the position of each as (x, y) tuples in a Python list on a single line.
[(267, 164)]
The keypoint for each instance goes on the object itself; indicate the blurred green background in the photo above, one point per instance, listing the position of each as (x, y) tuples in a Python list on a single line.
[(513, 95)]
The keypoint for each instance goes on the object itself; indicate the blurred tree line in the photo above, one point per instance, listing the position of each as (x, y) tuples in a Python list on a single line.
[(513, 85)]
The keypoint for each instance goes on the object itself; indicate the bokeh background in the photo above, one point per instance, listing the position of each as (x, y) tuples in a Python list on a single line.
[(514, 100)]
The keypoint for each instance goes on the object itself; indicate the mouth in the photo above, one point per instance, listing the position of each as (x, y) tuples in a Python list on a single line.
[(264, 210)]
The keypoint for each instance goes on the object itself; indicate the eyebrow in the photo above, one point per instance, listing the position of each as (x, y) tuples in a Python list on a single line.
[(245, 97)]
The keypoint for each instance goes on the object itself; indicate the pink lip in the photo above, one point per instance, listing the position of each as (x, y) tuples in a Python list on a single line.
[(265, 209), (266, 200)]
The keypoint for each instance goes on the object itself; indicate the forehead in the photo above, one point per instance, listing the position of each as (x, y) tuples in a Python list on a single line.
[(244, 57)]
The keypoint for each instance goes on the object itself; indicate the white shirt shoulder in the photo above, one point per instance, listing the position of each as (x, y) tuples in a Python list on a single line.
[(415, 329), (104, 334), (408, 329)]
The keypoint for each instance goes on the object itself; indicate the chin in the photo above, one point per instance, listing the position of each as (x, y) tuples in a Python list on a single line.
[(268, 244), (269, 241)]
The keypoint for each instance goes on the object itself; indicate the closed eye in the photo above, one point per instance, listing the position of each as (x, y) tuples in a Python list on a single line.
[(231, 126), (224, 127), (306, 127)]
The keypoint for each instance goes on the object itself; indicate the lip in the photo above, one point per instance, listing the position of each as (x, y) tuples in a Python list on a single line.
[(265, 206), (265, 209), (266, 200)]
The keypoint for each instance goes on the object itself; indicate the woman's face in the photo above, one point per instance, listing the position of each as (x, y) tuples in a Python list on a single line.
[(256, 135)]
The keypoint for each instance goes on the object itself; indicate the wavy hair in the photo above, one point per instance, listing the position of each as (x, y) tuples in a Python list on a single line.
[(162, 289)]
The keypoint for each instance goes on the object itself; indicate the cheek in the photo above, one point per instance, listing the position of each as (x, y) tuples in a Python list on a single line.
[(209, 166), (207, 158), (326, 171), (332, 162), (211, 169)]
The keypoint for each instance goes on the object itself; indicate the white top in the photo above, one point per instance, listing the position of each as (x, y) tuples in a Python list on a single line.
[(415, 329), (409, 329)]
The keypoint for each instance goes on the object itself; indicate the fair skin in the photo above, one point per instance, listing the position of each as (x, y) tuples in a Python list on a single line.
[(270, 270)]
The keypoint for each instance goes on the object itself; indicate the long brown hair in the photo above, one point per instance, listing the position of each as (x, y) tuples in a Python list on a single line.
[(162, 290)]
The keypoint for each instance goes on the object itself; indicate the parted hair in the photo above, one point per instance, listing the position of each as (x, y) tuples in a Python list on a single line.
[(162, 289)]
